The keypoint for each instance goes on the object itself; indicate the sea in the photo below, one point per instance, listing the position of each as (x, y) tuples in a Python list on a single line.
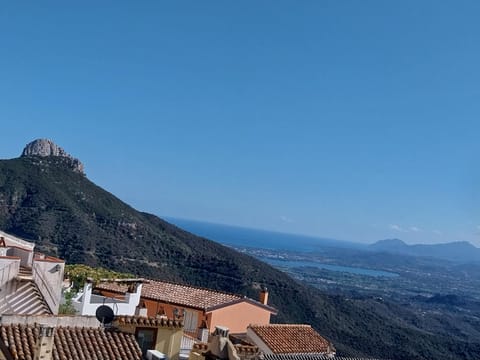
[(236, 236)]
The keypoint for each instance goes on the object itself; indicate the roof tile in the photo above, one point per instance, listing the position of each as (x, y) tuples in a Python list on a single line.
[(184, 295), (292, 338), (71, 343)]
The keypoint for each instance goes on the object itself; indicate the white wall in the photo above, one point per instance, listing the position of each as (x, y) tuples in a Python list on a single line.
[(48, 277), (14, 241), (87, 304), (8, 270), (51, 320), (25, 255)]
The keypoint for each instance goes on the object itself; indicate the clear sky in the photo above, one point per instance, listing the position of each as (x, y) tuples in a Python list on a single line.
[(355, 120)]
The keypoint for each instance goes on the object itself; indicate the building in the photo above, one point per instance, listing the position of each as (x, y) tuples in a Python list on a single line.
[(33, 341), (162, 335), (30, 282), (289, 339), (26, 337), (223, 346), (86, 303), (201, 310)]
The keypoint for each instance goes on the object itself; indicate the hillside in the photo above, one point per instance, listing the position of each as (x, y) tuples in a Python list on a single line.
[(43, 200)]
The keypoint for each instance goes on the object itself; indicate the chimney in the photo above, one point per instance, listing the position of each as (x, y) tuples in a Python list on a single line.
[(44, 344), (264, 295)]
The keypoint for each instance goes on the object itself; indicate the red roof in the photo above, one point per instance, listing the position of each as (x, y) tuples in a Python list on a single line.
[(184, 295), (71, 343), (292, 338)]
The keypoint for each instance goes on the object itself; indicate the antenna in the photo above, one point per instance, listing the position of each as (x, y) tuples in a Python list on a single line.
[(104, 314)]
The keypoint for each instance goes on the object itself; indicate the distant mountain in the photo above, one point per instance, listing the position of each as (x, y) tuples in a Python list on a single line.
[(460, 251), (46, 198)]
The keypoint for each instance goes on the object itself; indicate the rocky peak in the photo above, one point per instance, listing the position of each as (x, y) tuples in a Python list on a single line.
[(45, 147)]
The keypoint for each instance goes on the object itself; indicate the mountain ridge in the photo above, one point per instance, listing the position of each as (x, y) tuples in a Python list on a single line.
[(43, 200), (456, 251)]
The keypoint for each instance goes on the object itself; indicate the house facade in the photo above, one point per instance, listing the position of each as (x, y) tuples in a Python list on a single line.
[(200, 309)]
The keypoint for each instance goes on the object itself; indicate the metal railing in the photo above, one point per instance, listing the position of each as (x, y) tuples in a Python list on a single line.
[(186, 344)]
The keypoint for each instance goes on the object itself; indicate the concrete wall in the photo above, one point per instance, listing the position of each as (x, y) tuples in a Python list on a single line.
[(48, 276), (50, 320), (238, 316), (25, 255), (87, 303), (9, 267)]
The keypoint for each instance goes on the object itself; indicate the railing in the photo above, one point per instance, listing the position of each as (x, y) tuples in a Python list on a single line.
[(9, 272), (186, 344), (46, 290)]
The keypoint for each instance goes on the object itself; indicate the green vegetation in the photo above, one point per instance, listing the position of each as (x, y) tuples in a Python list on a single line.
[(67, 307), (79, 273), (68, 216)]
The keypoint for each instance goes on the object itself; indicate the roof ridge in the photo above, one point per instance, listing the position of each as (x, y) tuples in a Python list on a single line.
[(195, 287)]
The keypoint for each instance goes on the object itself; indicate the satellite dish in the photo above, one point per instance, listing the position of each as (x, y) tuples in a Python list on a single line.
[(104, 314)]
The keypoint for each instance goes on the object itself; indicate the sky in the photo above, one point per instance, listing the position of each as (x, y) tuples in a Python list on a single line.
[(353, 120)]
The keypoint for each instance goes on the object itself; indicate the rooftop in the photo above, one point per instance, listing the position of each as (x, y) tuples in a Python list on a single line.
[(183, 295), (292, 339), (310, 357), (71, 343), (148, 321)]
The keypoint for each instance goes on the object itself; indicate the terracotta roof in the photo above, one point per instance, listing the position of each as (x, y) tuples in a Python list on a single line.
[(148, 321), (71, 343), (288, 339), (184, 295), (310, 357)]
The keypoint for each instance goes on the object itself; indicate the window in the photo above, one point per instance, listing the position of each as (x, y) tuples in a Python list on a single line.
[(146, 338), (190, 321)]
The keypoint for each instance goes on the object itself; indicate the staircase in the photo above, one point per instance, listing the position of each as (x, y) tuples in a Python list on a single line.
[(23, 296)]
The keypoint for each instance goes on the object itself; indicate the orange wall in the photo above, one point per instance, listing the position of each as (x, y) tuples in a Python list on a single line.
[(238, 316), (154, 307), (235, 317)]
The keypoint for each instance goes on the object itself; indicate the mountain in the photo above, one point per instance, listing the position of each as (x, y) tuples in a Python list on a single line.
[(460, 251), (45, 199)]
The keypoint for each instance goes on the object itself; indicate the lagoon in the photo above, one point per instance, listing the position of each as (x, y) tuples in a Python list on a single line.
[(347, 269)]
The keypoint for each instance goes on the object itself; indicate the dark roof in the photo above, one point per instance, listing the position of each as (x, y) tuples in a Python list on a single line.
[(185, 295), (310, 357), (292, 339), (71, 343)]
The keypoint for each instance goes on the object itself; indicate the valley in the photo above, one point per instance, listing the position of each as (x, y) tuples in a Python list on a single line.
[(425, 293)]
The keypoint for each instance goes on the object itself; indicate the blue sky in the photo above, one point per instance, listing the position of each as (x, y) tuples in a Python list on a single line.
[(356, 120)]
